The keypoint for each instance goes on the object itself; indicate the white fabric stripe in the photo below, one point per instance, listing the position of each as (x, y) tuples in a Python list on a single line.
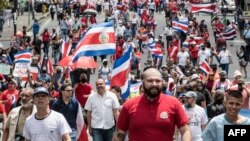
[(100, 30), (121, 68), (96, 47)]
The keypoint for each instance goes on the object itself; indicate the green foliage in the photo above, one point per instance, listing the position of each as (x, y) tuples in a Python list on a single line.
[(3, 4)]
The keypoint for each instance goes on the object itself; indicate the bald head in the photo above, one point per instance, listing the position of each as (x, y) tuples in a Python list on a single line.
[(151, 72)]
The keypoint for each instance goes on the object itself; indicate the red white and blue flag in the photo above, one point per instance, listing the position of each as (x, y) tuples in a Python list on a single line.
[(204, 66), (180, 26), (23, 57), (46, 64), (119, 76), (99, 40), (204, 8), (81, 129), (66, 48), (229, 34)]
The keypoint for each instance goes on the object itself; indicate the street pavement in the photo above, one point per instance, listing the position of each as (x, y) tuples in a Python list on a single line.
[(8, 31)]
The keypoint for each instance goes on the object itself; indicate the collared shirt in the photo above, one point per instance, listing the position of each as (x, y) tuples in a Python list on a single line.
[(101, 107), (69, 111)]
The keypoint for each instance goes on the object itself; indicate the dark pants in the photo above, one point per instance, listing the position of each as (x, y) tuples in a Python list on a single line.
[(46, 47), (224, 67), (52, 14), (103, 134)]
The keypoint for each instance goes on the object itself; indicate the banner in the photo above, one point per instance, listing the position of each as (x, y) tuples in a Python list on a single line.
[(5, 69), (20, 69)]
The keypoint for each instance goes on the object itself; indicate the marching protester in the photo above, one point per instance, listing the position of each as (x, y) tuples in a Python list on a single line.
[(232, 102), (13, 128), (102, 112), (35, 127)]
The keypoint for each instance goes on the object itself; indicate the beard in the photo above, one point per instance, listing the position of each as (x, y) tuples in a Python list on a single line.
[(188, 105), (25, 104), (152, 92)]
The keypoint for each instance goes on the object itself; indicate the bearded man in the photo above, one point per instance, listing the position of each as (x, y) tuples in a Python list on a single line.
[(13, 129), (152, 115)]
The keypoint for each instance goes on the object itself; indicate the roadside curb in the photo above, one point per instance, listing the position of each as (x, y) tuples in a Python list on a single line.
[(29, 27)]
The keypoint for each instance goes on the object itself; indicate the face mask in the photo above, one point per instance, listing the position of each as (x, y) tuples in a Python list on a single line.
[(83, 80), (203, 49), (222, 79), (43, 71), (105, 63)]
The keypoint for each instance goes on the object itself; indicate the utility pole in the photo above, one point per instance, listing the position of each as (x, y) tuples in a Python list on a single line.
[(15, 16)]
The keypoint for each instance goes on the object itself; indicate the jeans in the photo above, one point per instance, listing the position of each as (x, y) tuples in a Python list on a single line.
[(46, 47), (103, 134), (225, 67), (73, 135)]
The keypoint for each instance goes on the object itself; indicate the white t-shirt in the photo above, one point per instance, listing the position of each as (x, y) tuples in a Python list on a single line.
[(182, 57), (197, 117), (101, 108), (52, 128), (203, 55), (224, 55)]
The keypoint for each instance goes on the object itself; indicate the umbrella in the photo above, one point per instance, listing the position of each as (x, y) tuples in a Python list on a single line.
[(85, 62), (90, 12), (82, 62), (66, 61)]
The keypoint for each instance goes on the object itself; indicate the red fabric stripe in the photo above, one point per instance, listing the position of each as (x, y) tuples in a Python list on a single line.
[(119, 79), (93, 38), (23, 56)]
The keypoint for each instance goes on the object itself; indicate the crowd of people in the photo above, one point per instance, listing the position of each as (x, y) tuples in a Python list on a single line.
[(178, 99)]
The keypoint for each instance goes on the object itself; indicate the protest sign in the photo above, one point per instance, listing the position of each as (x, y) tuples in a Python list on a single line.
[(5, 69), (20, 69)]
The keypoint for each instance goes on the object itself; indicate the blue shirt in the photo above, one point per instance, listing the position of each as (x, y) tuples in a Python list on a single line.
[(69, 111), (246, 33), (215, 128)]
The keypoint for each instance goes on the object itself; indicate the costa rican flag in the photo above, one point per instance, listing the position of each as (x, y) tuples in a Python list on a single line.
[(119, 76), (199, 41), (229, 34), (22, 57), (204, 8), (66, 48), (180, 26), (45, 63), (81, 129), (151, 46), (99, 40), (205, 67)]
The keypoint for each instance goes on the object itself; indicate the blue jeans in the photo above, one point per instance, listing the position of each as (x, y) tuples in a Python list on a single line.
[(103, 134), (225, 67), (73, 135)]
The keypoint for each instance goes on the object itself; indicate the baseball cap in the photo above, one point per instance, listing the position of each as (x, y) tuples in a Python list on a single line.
[(39, 90), (190, 94), (223, 74)]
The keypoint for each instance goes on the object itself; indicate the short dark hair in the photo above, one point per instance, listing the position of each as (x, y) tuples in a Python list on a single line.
[(64, 86), (233, 93), (116, 88)]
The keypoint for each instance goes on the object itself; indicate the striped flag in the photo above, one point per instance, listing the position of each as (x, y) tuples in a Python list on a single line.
[(204, 8), (99, 40), (81, 130), (66, 48), (204, 66), (229, 34), (23, 57), (119, 76), (45, 63), (180, 26)]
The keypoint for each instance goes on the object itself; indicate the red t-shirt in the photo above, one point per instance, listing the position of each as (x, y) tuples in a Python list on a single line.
[(11, 96), (194, 52), (82, 90), (148, 121), (2, 110)]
